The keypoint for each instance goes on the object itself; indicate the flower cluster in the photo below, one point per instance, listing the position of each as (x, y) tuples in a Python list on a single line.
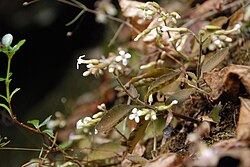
[(104, 8), (148, 114), (89, 121), (114, 63), (220, 39)]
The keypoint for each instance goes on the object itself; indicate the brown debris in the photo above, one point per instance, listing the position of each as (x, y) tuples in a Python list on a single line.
[(228, 81), (243, 128)]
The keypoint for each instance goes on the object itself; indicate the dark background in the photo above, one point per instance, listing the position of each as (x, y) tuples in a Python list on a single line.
[(41, 63)]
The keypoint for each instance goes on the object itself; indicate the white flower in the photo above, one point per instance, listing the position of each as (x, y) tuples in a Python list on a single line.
[(148, 14), (237, 26), (135, 115), (86, 120), (164, 28), (7, 40), (83, 123), (79, 61), (123, 56), (174, 102), (79, 124), (217, 42), (89, 65)]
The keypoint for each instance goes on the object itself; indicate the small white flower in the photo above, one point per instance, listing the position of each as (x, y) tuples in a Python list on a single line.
[(7, 40), (123, 56), (217, 42), (86, 120), (83, 123), (89, 65), (148, 14), (135, 115), (79, 61), (237, 26), (174, 102), (164, 28), (79, 124)]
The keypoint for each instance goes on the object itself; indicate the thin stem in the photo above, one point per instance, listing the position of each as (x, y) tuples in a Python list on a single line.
[(7, 83), (81, 6), (198, 70), (22, 149), (138, 101)]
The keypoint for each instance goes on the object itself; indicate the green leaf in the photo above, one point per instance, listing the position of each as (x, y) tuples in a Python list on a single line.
[(137, 159), (17, 46), (35, 123), (45, 121), (105, 151), (49, 132), (181, 95), (215, 60), (6, 107), (114, 116), (2, 79), (17, 89), (155, 73), (136, 135), (215, 113), (162, 81)]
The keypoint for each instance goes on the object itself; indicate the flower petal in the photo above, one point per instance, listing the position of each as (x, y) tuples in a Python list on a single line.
[(137, 119), (118, 58), (122, 52), (134, 110), (131, 116), (127, 55)]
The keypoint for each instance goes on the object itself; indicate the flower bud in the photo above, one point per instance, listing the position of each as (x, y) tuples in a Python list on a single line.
[(7, 40)]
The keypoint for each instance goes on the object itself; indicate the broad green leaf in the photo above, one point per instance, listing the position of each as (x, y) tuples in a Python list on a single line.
[(136, 135), (2, 79), (215, 60), (137, 159), (66, 145), (17, 46), (6, 107), (192, 75), (155, 128), (114, 116), (105, 151), (132, 90), (45, 121), (181, 95), (161, 82), (215, 113), (35, 123), (49, 132), (11, 95), (219, 21), (155, 73)]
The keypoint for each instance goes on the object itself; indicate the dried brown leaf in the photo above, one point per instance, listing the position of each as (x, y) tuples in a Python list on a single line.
[(166, 160), (228, 81), (130, 10), (243, 128), (206, 7)]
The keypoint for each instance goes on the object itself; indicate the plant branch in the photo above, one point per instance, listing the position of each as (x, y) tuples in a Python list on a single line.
[(138, 101)]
